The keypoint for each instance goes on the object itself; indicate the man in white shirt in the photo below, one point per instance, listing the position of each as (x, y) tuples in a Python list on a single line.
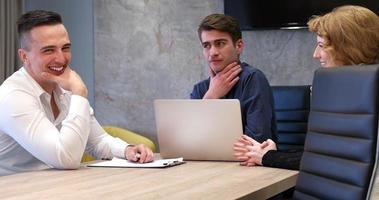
[(45, 118)]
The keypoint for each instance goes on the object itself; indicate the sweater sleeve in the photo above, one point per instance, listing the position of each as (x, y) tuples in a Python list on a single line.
[(257, 108), (283, 159), (200, 89)]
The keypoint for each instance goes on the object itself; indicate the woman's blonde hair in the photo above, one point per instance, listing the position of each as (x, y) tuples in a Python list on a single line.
[(351, 34)]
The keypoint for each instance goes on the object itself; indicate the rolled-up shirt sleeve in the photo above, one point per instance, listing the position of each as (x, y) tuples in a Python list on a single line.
[(24, 119)]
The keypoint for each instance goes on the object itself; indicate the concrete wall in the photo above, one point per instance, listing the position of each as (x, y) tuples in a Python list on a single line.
[(285, 56), (147, 50)]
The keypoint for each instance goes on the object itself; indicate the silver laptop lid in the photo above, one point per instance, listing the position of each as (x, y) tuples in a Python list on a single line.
[(198, 129)]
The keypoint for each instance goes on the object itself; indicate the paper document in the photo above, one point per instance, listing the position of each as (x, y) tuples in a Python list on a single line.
[(117, 162)]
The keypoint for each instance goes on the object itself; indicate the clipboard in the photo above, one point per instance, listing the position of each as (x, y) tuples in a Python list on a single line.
[(122, 163)]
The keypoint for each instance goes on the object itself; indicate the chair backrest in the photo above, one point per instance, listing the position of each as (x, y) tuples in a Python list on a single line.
[(340, 149), (291, 110)]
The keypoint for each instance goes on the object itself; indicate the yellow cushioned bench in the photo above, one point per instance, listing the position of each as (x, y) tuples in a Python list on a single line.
[(126, 135)]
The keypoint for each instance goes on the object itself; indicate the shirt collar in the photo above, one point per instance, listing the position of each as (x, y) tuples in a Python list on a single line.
[(40, 91)]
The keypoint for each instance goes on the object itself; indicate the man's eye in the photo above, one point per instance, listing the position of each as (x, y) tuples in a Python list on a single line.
[(205, 46), (66, 49), (48, 51), (220, 44)]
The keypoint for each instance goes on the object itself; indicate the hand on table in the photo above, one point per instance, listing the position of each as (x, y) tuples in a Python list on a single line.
[(139, 153)]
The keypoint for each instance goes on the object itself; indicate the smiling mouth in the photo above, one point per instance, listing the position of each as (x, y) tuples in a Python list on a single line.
[(57, 70)]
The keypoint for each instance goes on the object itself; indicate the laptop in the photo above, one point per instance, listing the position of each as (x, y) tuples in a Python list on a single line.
[(198, 129)]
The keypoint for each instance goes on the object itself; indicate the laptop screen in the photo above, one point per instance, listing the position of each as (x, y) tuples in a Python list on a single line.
[(198, 129)]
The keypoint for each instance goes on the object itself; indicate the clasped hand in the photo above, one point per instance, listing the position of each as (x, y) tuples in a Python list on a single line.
[(250, 152)]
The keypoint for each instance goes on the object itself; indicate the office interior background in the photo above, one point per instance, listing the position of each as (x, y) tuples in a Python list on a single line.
[(130, 52)]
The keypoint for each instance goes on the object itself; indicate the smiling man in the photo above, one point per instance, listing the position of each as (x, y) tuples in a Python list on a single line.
[(221, 38), (46, 120)]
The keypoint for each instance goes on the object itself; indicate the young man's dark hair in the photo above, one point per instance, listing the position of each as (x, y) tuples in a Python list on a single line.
[(223, 23), (33, 19)]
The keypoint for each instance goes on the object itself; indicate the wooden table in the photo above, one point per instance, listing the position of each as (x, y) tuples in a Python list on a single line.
[(375, 187), (192, 180)]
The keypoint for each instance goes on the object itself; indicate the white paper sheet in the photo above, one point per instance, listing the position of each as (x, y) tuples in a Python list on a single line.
[(117, 162)]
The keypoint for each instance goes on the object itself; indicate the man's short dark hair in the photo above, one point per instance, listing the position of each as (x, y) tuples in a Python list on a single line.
[(33, 19), (223, 23)]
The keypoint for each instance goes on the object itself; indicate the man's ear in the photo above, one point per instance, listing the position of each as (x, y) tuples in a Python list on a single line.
[(239, 46), (23, 56)]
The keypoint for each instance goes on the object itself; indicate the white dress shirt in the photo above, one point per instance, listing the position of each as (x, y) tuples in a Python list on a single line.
[(32, 139)]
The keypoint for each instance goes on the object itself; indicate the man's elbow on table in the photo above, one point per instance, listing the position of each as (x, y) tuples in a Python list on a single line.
[(66, 162), (72, 165)]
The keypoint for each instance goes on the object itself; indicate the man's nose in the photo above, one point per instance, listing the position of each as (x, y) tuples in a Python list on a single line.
[(213, 51), (60, 57)]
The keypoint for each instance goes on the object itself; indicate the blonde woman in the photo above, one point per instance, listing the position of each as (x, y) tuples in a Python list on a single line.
[(348, 35)]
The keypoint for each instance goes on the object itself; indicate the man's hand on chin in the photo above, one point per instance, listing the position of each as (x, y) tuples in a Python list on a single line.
[(68, 80), (222, 82)]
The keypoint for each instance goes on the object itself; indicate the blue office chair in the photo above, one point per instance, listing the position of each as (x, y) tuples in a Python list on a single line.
[(291, 110), (341, 145)]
